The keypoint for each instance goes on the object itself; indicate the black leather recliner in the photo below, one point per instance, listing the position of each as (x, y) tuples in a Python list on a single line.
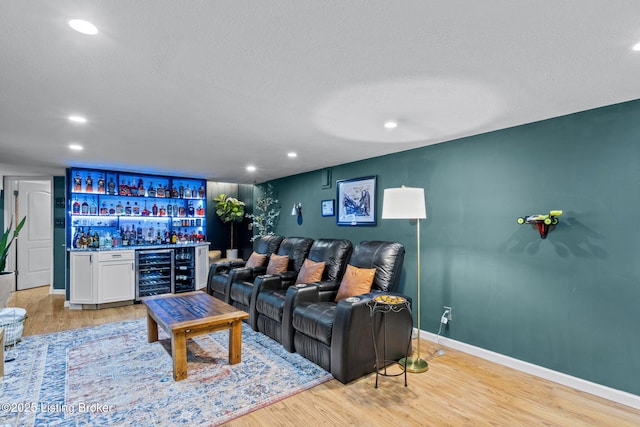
[(222, 274), (241, 289), (270, 291), (337, 336)]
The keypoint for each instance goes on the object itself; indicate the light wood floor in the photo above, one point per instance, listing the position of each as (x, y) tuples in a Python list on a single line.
[(458, 389)]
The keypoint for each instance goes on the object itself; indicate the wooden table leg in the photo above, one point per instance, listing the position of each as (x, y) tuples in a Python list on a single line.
[(152, 329), (235, 342), (179, 355)]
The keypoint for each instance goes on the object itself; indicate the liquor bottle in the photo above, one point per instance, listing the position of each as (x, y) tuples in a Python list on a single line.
[(160, 191), (176, 211), (162, 211), (150, 235), (119, 208), (141, 190), (194, 192), (93, 208), (201, 192), (127, 209), (84, 208), (89, 184), (181, 211), (122, 190), (112, 210), (167, 192), (100, 184), (187, 192), (174, 236), (151, 191), (136, 208), (169, 209), (145, 211), (139, 234), (181, 191), (111, 186), (108, 241), (174, 193), (76, 237), (133, 189), (75, 208), (200, 210), (191, 211), (77, 183), (125, 238), (103, 209), (154, 209)]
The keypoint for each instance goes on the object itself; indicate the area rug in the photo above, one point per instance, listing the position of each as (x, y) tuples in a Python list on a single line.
[(109, 375)]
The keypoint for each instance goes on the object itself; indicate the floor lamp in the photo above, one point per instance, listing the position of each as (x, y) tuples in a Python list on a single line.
[(408, 203)]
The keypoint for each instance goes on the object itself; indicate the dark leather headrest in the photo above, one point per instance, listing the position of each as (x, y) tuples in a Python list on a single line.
[(335, 253), (297, 248), (267, 244), (386, 257)]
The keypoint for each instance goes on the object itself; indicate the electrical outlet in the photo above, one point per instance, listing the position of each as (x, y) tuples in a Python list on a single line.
[(449, 314)]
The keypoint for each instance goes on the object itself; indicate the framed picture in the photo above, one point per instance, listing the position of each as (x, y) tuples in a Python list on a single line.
[(357, 201), (328, 207)]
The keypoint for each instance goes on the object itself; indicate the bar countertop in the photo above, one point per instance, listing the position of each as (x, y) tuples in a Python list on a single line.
[(141, 247)]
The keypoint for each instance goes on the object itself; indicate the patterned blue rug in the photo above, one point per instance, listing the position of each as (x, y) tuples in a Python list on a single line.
[(110, 375)]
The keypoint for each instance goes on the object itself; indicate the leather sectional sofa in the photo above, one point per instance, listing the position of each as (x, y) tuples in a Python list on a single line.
[(305, 317)]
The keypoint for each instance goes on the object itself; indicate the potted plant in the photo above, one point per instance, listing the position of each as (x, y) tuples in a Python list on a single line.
[(7, 278), (230, 209), (266, 213)]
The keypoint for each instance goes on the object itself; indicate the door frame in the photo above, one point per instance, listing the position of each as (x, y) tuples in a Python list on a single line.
[(10, 186)]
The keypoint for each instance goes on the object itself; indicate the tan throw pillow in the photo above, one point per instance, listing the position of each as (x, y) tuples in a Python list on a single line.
[(256, 260), (356, 281), (310, 272), (277, 264)]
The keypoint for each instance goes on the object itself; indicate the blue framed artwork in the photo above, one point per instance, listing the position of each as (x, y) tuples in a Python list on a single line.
[(356, 201)]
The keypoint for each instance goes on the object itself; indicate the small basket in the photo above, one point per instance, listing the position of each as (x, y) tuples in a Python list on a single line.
[(12, 321)]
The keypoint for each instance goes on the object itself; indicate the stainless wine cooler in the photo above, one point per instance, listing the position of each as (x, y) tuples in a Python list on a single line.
[(154, 272), (185, 270)]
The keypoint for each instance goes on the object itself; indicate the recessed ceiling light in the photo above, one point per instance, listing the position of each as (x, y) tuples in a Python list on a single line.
[(251, 168), (75, 147), (292, 154), (83, 27), (77, 119), (636, 47), (391, 124)]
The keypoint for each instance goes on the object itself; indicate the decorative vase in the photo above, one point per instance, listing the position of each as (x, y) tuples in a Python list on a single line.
[(232, 253), (7, 285)]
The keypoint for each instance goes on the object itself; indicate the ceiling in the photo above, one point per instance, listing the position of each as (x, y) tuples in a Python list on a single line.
[(205, 88)]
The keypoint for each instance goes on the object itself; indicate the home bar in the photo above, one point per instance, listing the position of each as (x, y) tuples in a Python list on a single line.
[(132, 235)]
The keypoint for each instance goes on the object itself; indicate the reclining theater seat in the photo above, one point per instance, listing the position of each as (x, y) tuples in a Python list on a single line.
[(222, 274), (327, 260), (337, 336), (295, 248)]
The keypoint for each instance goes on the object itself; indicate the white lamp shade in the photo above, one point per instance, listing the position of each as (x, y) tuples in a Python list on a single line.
[(403, 203)]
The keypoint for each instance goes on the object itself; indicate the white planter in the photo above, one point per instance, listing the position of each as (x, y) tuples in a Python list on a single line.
[(232, 253), (7, 285)]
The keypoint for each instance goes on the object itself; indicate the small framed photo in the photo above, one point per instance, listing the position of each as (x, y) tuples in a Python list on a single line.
[(357, 201), (327, 207)]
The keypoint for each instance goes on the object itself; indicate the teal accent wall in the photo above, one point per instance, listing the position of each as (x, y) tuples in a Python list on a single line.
[(568, 303), (59, 252)]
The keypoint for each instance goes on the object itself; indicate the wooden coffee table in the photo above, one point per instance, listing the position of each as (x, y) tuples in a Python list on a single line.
[(189, 314)]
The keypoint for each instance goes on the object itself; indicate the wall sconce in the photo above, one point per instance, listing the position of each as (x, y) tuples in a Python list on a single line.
[(297, 210)]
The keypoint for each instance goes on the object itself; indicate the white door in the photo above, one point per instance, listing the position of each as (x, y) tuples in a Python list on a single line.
[(35, 242)]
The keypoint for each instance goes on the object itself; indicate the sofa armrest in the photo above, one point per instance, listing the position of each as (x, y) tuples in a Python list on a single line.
[(297, 294), (352, 350)]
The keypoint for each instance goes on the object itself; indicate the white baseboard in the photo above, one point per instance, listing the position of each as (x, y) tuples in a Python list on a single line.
[(57, 291), (599, 390)]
